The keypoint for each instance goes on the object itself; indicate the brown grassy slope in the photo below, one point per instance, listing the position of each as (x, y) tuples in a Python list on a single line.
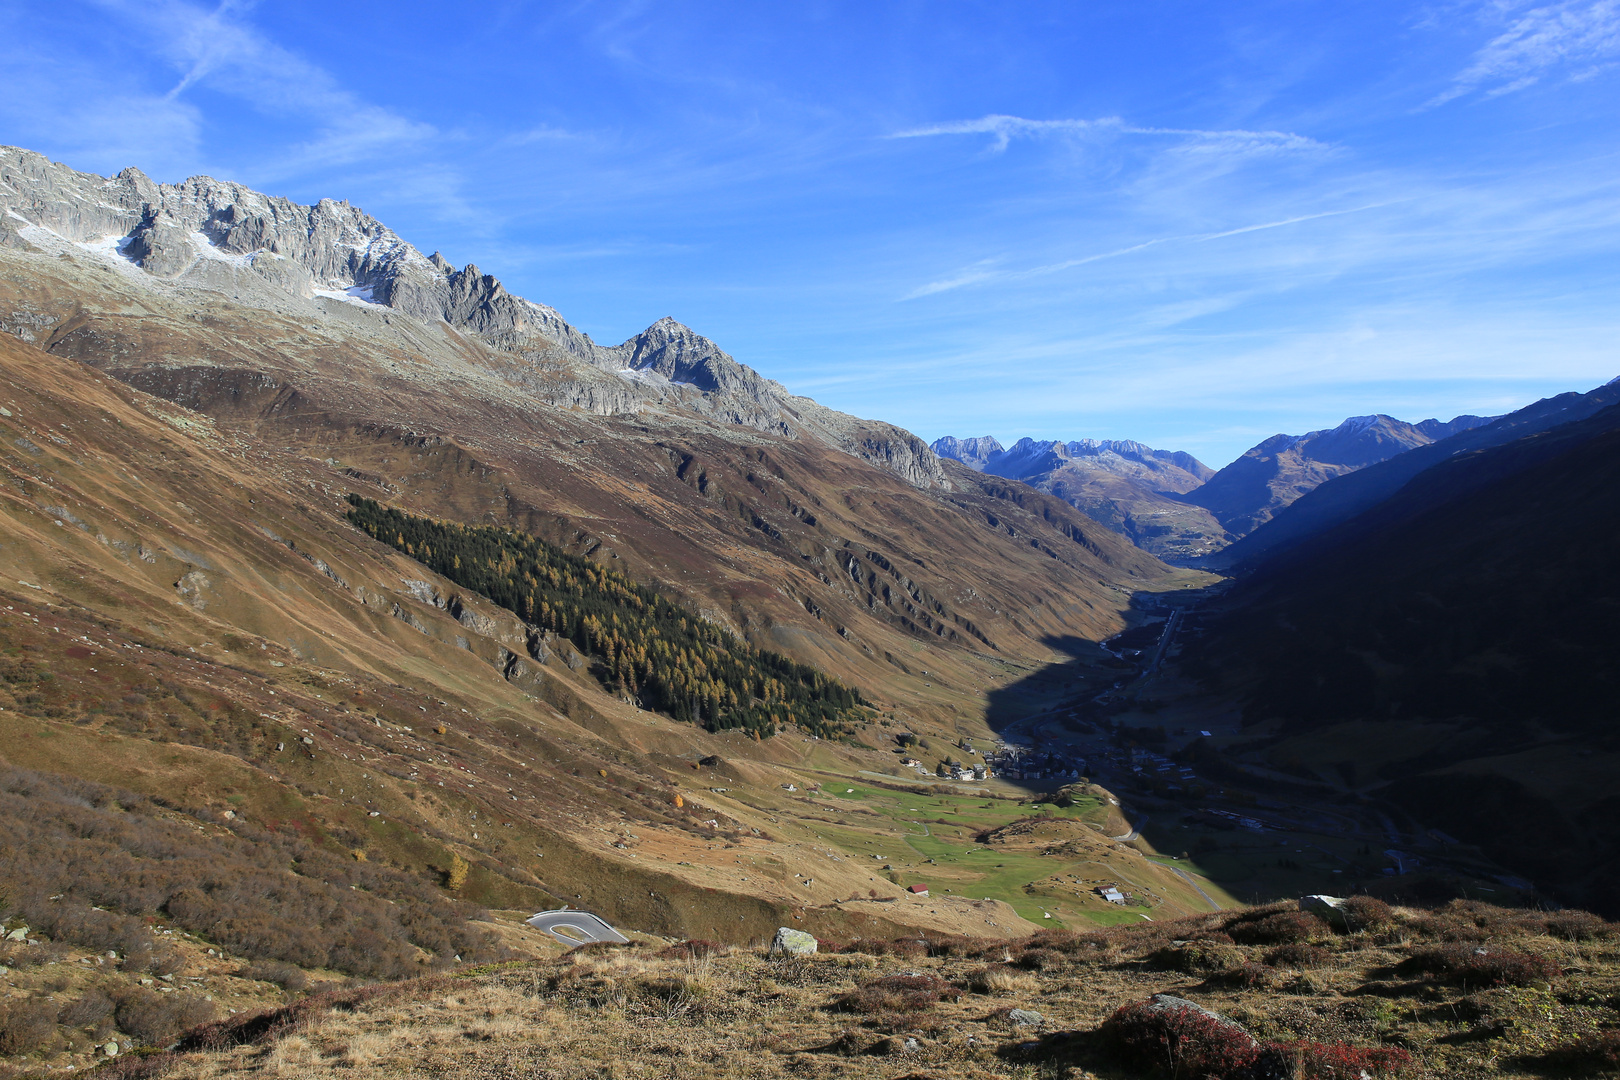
[(802, 547), (164, 641), (1535, 987)]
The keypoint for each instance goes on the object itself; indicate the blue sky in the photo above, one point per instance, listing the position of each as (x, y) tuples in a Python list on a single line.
[(1189, 224)]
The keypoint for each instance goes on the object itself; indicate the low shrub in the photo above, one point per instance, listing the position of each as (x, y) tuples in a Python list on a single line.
[(1297, 954), (1478, 964), (1180, 1042), (693, 949), (1600, 1051), (1087, 945), (601, 948), (1038, 959), (1199, 957), (156, 1019), (1336, 1061), (906, 948), (1367, 913), (1061, 940), (1001, 979), (26, 1025), (1279, 929), (957, 946), (1249, 976), (289, 978), (1577, 926), (88, 1011), (92, 865), (898, 994), (668, 988)]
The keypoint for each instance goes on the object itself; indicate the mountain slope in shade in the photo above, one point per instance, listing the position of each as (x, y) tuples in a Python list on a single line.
[(1343, 497), (1452, 648), (1251, 490), (1121, 484)]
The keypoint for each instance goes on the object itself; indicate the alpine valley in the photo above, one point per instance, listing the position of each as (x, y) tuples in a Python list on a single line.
[(355, 610)]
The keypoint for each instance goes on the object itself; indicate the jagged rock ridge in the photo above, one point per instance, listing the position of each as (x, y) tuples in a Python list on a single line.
[(272, 252)]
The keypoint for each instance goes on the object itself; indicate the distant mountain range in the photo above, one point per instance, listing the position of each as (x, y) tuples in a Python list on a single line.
[(1249, 492), (1130, 488), (1172, 504), (1355, 491)]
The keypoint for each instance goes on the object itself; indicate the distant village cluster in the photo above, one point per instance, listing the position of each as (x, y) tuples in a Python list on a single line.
[(1012, 761)]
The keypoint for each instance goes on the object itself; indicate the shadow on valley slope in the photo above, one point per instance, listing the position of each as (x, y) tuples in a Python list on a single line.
[(1206, 795)]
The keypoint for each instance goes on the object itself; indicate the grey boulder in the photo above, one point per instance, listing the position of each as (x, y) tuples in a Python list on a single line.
[(791, 942)]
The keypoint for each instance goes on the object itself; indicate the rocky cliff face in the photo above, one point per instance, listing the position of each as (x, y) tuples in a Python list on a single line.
[(274, 253)]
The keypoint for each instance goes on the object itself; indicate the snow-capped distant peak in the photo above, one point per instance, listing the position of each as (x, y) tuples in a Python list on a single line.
[(1357, 424)]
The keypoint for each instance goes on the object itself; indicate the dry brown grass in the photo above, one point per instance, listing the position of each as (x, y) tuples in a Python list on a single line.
[(638, 1012)]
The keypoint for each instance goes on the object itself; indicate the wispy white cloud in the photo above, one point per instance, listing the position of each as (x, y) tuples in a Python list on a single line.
[(1576, 38), (1003, 129), (985, 271), (218, 48)]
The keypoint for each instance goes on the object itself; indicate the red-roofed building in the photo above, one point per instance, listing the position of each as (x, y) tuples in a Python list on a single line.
[(917, 890)]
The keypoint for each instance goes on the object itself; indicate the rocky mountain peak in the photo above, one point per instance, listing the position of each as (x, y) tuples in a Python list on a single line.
[(1278, 470), (335, 258), (973, 453)]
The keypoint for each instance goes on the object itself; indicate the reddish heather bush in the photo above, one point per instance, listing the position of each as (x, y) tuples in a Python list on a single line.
[(1087, 945), (1060, 940), (1478, 964), (1297, 954), (1336, 1061), (601, 948), (1180, 1042), (1278, 929), (898, 994), (1471, 920)]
